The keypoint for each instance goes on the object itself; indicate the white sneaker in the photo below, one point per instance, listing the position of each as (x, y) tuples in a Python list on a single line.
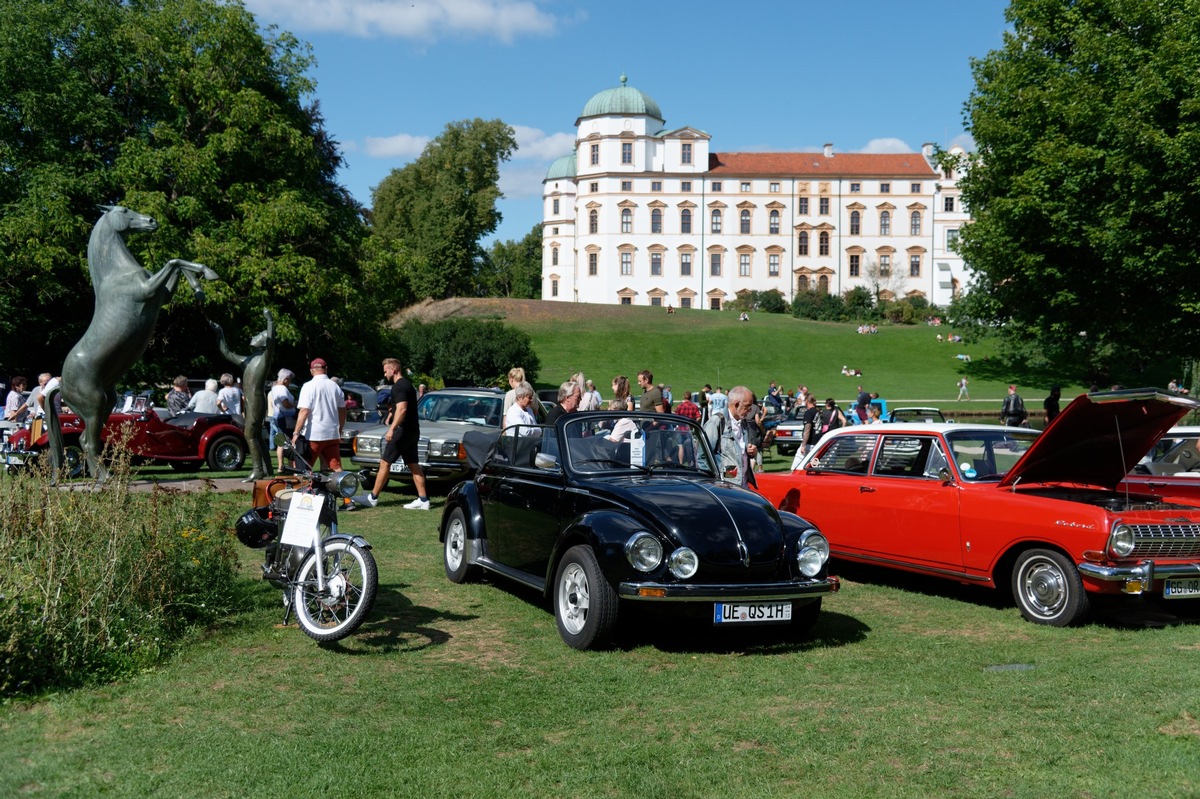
[(418, 504), (367, 500)]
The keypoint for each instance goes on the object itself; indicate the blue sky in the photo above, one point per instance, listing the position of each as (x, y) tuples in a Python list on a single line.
[(868, 76)]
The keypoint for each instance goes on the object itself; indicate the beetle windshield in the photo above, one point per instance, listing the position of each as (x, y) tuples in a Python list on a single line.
[(632, 442), (986, 456)]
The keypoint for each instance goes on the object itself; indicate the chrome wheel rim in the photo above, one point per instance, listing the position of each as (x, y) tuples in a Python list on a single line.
[(1044, 588), (573, 598), (456, 542), (227, 456)]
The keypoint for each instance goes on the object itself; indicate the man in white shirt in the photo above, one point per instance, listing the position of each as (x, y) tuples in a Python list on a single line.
[(321, 416)]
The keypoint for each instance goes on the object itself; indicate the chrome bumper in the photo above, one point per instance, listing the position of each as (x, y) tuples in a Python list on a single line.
[(1147, 571), (715, 592)]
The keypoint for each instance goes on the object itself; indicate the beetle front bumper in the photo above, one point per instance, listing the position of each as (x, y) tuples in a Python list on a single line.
[(715, 592)]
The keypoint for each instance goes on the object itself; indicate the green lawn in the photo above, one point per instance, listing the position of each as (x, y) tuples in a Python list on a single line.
[(690, 348), (907, 689)]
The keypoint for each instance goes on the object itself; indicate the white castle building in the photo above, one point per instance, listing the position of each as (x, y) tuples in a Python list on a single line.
[(644, 215)]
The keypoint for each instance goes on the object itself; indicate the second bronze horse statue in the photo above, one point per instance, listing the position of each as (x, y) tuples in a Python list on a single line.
[(128, 301)]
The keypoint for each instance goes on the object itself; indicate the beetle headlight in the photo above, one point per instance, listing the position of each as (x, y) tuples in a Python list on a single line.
[(1120, 541), (644, 552), (683, 563), (814, 552), (345, 484), (812, 538)]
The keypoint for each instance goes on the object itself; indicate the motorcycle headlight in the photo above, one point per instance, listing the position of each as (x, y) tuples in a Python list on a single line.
[(644, 552), (683, 563), (1120, 541), (345, 484)]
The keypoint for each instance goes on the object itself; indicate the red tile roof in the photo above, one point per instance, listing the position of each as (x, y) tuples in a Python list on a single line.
[(816, 165)]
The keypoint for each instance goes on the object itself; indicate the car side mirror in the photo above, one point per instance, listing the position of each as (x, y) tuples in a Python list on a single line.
[(545, 461), (945, 476)]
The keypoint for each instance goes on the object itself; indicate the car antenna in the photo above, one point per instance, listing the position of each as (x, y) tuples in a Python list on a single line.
[(1121, 450)]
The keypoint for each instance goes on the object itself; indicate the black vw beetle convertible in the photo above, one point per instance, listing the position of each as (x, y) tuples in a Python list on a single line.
[(603, 509)]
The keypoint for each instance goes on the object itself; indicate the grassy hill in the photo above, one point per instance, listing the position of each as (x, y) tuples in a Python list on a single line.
[(686, 349)]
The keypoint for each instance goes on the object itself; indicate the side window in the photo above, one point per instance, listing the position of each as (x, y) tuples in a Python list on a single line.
[(847, 454), (903, 456)]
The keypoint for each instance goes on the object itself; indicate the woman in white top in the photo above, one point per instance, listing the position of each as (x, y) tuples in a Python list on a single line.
[(521, 412), (229, 398)]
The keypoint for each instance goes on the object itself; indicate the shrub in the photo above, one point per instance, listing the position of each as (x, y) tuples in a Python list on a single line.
[(760, 302), (100, 584), (477, 351), (860, 304), (819, 306)]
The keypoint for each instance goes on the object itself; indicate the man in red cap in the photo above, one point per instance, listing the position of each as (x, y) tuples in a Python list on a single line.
[(321, 416)]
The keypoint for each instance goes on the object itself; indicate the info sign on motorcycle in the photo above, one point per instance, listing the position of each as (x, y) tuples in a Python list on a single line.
[(303, 524)]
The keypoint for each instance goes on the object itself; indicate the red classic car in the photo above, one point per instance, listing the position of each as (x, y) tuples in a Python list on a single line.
[(184, 441), (994, 506)]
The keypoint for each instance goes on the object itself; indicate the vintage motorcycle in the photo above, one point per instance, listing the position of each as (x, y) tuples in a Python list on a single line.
[(329, 579)]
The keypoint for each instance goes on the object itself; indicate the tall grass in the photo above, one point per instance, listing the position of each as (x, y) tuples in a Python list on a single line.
[(98, 584)]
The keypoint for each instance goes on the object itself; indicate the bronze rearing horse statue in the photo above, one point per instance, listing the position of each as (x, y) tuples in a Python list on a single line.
[(128, 300)]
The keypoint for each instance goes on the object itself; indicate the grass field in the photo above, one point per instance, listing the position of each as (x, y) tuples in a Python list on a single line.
[(690, 348), (906, 689)]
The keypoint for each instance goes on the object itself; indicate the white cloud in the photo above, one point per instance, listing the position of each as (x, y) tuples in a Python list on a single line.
[(419, 20), (878, 146), (535, 144), (963, 140), (522, 180), (401, 146)]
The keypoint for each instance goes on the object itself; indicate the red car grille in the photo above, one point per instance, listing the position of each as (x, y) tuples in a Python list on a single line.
[(1166, 540)]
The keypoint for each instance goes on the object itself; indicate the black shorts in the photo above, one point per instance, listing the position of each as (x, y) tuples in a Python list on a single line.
[(404, 449)]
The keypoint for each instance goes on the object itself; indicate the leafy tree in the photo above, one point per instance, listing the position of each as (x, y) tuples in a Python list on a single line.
[(1084, 191), (185, 110), (860, 303), (476, 351), (442, 204), (513, 268)]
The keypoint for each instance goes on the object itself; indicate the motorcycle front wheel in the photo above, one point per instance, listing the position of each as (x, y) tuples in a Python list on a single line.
[(351, 582)]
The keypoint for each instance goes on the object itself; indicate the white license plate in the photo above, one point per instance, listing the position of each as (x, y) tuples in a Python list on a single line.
[(751, 612), (1182, 589), (399, 467)]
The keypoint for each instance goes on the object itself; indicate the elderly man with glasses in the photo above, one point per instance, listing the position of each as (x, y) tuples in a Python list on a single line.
[(730, 438), (569, 396)]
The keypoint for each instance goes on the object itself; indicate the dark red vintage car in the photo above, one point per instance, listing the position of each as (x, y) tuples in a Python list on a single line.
[(184, 441), (1049, 515)]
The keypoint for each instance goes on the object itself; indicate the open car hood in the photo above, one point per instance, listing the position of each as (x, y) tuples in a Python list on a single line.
[(1099, 437)]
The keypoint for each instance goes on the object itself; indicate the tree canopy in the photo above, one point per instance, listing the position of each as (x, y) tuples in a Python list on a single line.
[(443, 203), (184, 110), (1085, 191), (513, 268)]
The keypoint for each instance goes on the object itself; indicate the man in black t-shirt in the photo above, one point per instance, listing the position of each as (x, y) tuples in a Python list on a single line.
[(400, 440)]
